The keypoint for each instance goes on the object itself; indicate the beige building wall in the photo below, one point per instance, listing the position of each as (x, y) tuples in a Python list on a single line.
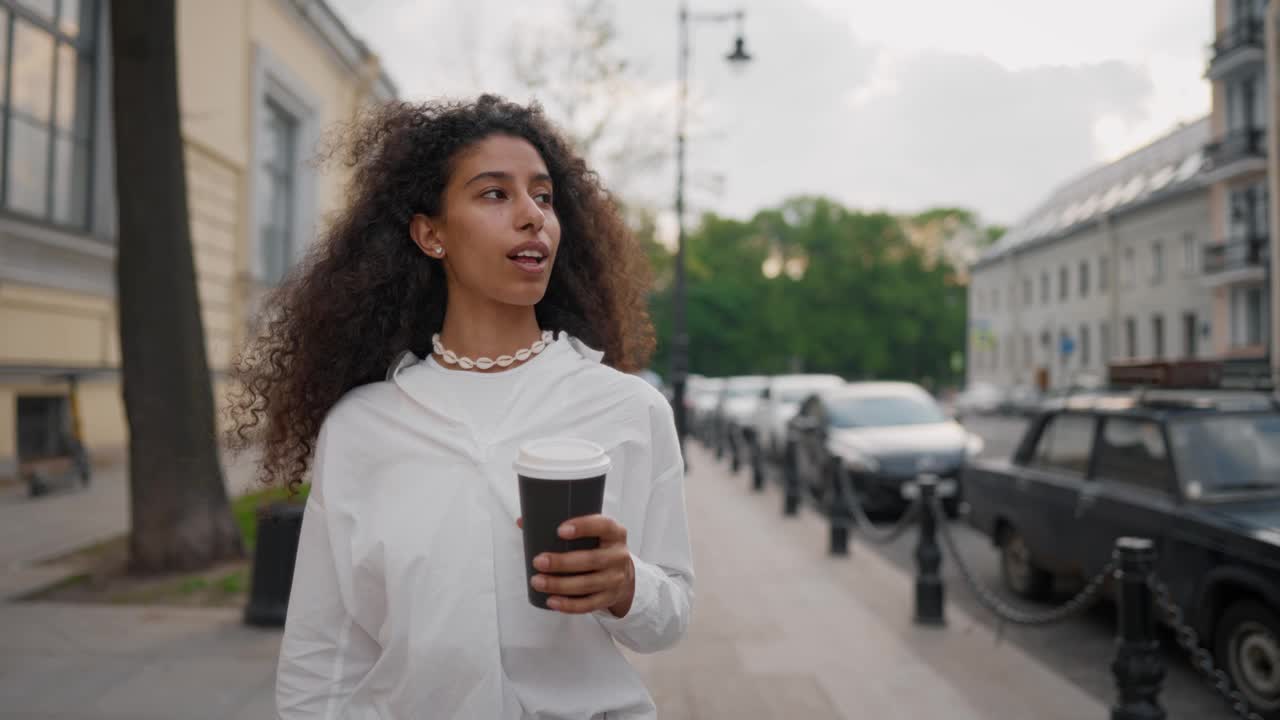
[(223, 47)]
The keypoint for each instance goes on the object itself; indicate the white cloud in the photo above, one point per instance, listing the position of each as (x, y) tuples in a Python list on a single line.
[(986, 103)]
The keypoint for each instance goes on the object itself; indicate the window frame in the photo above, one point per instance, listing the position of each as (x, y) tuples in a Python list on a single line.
[(275, 83), (88, 53)]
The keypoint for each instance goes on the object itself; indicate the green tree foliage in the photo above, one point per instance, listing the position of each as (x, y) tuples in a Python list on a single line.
[(812, 286)]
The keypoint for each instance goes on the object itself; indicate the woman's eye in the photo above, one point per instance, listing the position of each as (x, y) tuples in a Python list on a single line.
[(494, 194), (544, 198)]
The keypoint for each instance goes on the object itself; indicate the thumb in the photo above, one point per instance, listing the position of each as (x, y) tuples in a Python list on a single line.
[(520, 522)]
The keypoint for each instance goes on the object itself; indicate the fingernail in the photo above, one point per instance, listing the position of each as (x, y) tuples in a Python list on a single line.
[(539, 583), (553, 603), (567, 530), (540, 562)]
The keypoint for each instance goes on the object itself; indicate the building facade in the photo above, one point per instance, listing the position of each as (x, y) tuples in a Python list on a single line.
[(259, 80), (1108, 267), (1237, 261)]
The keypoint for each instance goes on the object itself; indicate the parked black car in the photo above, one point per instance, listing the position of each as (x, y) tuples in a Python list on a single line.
[(1197, 472), (884, 434)]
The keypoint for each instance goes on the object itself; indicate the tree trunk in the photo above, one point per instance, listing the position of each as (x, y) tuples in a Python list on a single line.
[(181, 517)]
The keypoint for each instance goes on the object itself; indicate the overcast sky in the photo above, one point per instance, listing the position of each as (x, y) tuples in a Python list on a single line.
[(986, 104)]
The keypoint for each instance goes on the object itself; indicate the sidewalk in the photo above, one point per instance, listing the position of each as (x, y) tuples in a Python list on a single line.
[(33, 530), (780, 630)]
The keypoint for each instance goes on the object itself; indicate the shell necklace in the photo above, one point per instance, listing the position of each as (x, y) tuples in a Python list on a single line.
[(485, 363)]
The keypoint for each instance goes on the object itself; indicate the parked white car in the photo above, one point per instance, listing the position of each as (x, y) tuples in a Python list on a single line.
[(779, 404), (736, 412)]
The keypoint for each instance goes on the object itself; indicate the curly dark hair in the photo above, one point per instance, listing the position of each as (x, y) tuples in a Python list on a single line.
[(365, 292)]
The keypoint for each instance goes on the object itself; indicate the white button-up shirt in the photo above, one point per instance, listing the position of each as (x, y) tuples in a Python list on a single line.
[(410, 598)]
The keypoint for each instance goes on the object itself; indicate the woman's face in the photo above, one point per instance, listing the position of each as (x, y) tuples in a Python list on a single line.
[(497, 234)]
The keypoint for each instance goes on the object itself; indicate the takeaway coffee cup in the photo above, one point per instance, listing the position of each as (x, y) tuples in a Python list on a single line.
[(560, 478)]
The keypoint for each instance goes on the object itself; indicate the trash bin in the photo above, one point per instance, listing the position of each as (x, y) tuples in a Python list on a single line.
[(279, 527)]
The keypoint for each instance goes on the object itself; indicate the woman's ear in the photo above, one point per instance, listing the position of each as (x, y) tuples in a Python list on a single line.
[(426, 236)]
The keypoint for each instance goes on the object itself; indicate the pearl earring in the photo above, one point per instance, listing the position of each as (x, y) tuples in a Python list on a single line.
[(439, 250)]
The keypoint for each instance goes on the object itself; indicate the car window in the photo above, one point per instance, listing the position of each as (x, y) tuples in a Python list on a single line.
[(1132, 452), (1064, 444), (1219, 454)]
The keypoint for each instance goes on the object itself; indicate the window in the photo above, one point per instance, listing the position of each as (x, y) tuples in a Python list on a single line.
[(995, 299), (1132, 453), (1157, 337), (1084, 278), (1104, 342), (278, 185), (47, 75), (1084, 346), (1157, 262), (1104, 274), (1190, 339), (1249, 317), (1064, 341), (1128, 268), (1189, 263), (1064, 444), (1026, 291), (1026, 350), (1131, 338), (1064, 280), (1044, 287)]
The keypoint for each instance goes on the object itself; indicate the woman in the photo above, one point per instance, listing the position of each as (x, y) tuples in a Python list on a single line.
[(474, 232)]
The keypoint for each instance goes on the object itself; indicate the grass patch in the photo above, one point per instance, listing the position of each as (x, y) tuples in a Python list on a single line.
[(246, 507), (106, 579)]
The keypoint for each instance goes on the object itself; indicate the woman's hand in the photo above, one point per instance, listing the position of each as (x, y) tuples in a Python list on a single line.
[(607, 576)]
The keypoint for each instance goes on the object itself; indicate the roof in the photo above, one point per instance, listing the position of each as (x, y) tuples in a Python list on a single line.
[(1166, 167), (1167, 401), (350, 49)]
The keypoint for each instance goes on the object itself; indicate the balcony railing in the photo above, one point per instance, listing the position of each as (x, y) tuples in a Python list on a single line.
[(1243, 34), (1243, 144), (1237, 254)]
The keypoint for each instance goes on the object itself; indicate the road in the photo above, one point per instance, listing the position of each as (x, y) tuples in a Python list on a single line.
[(1080, 649)]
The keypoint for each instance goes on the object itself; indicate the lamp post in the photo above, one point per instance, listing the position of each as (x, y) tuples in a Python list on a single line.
[(679, 336)]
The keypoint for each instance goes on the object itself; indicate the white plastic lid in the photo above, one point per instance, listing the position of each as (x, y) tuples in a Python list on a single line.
[(561, 458)]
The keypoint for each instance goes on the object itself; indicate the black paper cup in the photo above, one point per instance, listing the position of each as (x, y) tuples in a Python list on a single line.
[(560, 479)]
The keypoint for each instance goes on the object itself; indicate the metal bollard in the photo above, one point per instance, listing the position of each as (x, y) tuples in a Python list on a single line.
[(279, 528), (929, 591), (1138, 667), (790, 487), (839, 515), (757, 467)]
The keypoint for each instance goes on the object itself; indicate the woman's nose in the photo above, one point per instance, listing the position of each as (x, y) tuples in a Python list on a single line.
[(531, 216)]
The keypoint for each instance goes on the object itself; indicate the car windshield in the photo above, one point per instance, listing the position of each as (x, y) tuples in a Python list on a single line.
[(737, 391), (883, 410), (1223, 454), (798, 394)]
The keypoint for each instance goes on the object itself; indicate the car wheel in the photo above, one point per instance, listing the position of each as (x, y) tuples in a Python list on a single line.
[(1018, 569), (1247, 646)]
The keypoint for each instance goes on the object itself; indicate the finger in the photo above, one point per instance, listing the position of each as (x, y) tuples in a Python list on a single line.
[(601, 526), (581, 560), (580, 585), (520, 522), (582, 605)]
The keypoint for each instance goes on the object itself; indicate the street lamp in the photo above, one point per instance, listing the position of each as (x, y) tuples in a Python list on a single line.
[(680, 338)]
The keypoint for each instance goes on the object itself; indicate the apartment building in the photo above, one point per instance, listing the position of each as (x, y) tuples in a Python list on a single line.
[(1109, 266), (259, 81)]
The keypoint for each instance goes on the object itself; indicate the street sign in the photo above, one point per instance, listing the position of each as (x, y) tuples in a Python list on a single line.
[(1066, 345)]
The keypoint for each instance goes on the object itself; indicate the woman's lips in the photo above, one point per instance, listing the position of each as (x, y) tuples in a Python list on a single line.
[(533, 266)]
